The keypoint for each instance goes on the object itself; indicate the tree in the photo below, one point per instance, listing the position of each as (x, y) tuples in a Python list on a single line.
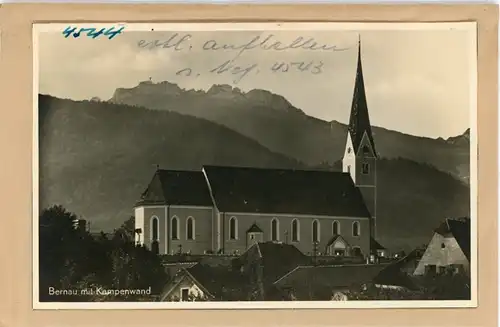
[(71, 259), (62, 252)]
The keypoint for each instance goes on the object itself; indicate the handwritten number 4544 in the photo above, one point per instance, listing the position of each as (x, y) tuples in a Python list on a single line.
[(92, 32)]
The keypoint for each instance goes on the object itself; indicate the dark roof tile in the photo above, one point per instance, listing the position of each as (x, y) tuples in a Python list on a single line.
[(374, 245), (258, 190), (176, 187), (216, 279), (460, 229), (254, 229), (276, 259), (319, 282)]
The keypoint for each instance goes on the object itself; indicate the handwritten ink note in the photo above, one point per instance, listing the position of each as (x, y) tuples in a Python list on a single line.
[(231, 54), (92, 32)]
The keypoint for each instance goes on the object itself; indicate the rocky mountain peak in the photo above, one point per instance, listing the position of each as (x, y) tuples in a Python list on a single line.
[(168, 91), (460, 140)]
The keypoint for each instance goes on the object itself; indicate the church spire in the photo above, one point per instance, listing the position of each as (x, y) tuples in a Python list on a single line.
[(359, 122)]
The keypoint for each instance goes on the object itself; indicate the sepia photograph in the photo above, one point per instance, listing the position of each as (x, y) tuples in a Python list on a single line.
[(254, 165)]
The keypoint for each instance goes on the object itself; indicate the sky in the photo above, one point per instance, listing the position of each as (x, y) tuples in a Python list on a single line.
[(417, 81)]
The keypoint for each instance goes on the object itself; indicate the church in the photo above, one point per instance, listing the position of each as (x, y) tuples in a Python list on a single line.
[(225, 210)]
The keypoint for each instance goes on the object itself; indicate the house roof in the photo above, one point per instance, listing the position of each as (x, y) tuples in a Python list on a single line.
[(216, 280), (172, 268), (276, 259), (335, 238), (176, 187), (374, 245), (258, 190), (411, 260), (458, 228), (318, 282), (254, 229), (359, 121), (393, 275)]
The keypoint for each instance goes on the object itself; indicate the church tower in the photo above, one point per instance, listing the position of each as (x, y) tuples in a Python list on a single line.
[(360, 156)]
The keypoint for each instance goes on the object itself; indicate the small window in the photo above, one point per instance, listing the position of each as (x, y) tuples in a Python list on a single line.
[(355, 229), (349, 168), (274, 230), (336, 228), (233, 228), (175, 228), (443, 245), (366, 150), (190, 228), (365, 168), (315, 231), (184, 294), (295, 230), (457, 268)]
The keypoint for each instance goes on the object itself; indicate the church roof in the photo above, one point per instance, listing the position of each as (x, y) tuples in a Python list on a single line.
[(359, 121), (275, 191), (175, 187)]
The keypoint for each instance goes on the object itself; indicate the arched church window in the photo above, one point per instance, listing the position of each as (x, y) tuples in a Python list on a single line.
[(349, 169), (154, 228), (355, 228), (315, 231), (366, 150), (336, 228), (295, 230), (233, 228), (274, 229), (190, 228), (175, 228)]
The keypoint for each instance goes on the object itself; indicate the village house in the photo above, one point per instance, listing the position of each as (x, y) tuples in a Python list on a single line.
[(448, 251), (272, 271), (201, 282), (225, 210)]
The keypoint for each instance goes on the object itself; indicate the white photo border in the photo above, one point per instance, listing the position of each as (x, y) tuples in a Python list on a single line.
[(470, 27)]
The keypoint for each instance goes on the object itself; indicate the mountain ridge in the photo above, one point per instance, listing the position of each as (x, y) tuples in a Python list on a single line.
[(96, 159), (279, 126)]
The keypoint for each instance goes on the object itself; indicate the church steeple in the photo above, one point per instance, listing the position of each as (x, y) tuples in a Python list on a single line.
[(359, 121), (360, 156)]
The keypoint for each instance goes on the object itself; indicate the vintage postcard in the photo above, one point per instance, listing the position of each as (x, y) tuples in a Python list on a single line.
[(255, 165)]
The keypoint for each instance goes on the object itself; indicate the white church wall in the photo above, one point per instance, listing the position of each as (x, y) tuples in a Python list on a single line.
[(139, 223), (305, 243)]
